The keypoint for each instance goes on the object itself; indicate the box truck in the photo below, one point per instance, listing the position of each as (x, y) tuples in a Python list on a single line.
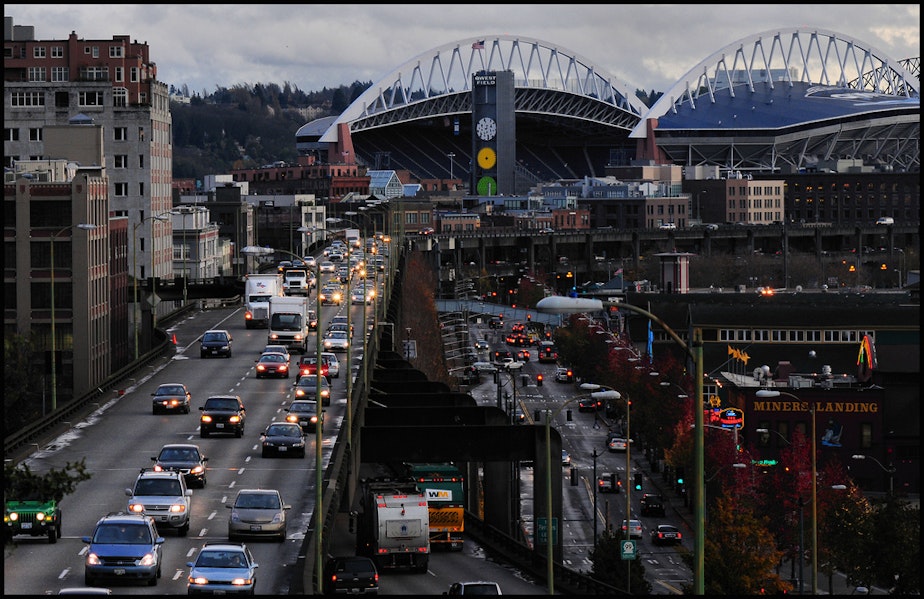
[(258, 289), (289, 322)]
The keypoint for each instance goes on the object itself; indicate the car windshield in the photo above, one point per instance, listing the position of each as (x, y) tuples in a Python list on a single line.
[(301, 408), (221, 559), (213, 337), (221, 404), (158, 487), (178, 455), (273, 358), (171, 390), (129, 534), (286, 322), (258, 501), (284, 431)]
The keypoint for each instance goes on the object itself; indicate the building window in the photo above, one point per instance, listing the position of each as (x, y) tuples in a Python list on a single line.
[(120, 134), (119, 97), (90, 98), (142, 98), (59, 74), (57, 51), (121, 190), (95, 52), (35, 134), (119, 74), (141, 189), (37, 74), (133, 73), (116, 52), (120, 161), (38, 52), (27, 99), (866, 435), (11, 134), (94, 73), (140, 160)]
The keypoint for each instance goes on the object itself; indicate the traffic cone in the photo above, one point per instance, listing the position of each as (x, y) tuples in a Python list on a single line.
[(174, 338)]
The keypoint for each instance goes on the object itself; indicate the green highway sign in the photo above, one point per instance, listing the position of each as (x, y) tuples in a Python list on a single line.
[(628, 549), (542, 531)]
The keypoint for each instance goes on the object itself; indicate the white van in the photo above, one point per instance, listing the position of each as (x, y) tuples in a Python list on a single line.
[(885, 220)]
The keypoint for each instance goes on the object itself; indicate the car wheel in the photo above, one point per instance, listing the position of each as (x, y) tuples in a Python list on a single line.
[(204, 434), (183, 530), (53, 534), (264, 454)]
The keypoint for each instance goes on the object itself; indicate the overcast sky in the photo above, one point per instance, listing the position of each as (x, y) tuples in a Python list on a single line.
[(647, 46)]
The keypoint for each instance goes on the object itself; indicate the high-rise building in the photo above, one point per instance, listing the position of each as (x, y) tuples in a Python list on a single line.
[(108, 83)]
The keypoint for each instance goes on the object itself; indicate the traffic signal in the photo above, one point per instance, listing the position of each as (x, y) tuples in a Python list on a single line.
[(680, 475), (638, 481), (538, 380)]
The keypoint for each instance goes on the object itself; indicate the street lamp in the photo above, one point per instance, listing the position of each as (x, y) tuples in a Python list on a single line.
[(184, 211), (764, 393), (890, 469), (801, 519), (557, 304), (54, 351), (159, 217)]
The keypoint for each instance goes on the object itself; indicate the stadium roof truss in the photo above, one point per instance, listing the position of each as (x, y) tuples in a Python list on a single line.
[(550, 82), (872, 110)]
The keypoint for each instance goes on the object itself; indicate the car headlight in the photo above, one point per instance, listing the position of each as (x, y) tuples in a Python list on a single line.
[(205, 418), (147, 560), (136, 508), (291, 418), (92, 559), (14, 516), (241, 581), (235, 517), (234, 419), (198, 580)]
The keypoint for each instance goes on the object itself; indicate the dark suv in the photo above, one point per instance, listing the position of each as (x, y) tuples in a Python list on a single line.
[(352, 575), (222, 414), (215, 342), (652, 505)]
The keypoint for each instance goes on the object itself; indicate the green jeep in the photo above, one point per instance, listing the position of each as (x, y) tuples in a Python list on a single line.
[(35, 518)]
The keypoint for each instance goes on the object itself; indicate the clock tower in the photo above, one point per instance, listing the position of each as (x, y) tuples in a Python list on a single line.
[(493, 133)]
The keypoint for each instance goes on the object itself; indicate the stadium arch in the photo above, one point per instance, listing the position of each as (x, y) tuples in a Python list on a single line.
[(788, 100), (572, 118)]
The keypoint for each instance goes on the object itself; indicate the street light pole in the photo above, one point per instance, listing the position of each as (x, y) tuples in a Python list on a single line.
[(890, 469), (595, 455), (557, 304), (160, 217), (450, 155), (773, 393), (54, 349)]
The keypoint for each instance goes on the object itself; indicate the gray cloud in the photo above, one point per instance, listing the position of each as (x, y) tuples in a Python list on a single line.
[(647, 46)]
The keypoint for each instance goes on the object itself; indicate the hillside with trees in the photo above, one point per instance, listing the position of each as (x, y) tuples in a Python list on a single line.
[(248, 126)]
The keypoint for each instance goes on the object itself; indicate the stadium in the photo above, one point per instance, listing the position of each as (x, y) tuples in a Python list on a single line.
[(782, 101)]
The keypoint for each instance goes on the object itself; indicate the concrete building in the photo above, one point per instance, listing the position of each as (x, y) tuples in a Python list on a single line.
[(59, 282), (111, 84)]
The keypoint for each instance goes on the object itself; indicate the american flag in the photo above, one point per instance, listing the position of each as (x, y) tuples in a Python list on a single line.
[(479, 45)]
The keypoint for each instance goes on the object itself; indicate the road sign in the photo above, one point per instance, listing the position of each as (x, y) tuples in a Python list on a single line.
[(628, 549), (542, 531)]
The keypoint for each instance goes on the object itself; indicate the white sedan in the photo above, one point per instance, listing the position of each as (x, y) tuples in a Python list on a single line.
[(336, 341), (328, 266)]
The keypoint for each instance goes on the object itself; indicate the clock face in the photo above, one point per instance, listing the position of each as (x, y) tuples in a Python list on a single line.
[(487, 158), (487, 186), (486, 128)]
